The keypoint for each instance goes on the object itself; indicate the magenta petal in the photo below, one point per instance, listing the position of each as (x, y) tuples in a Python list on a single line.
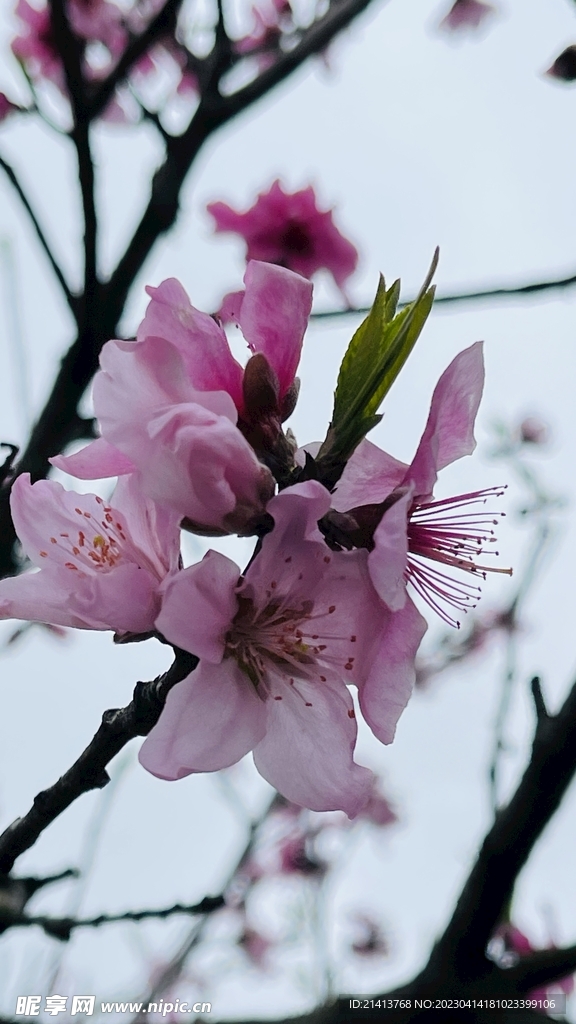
[(274, 317), (369, 477), (210, 721), (389, 557), (449, 431), (307, 752), (97, 460), (388, 688), (198, 605), (201, 342)]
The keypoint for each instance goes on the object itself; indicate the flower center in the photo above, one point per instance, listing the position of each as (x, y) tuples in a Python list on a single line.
[(446, 532), (296, 239), (287, 640)]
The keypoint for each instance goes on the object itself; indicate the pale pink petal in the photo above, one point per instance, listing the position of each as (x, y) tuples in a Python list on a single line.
[(201, 465), (369, 477), (210, 721), (229, 311), (154, 528), (307, 752), (139, 378), (38, 597), (388, 688), (389, 557), (198, 605), (66, 535), (124, 600), (449, 431), (274, 317), (97, 460), (202, 343)]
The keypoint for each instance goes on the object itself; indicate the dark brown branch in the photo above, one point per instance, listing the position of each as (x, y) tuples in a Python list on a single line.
[(70, 52), (507, 846), (520, 291), (62, 927), (118, 727), (543, 968), (13, 179)]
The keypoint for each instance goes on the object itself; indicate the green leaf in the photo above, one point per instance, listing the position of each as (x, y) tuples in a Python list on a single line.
[(373, 360)]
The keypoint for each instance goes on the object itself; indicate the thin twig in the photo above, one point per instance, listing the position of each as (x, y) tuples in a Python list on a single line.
[(518, 291), (62, 927), (13, 179), (118, 727), (175, 966)]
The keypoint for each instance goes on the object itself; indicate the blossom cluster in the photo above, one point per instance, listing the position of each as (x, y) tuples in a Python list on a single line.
[(103, 31), (325, 606)]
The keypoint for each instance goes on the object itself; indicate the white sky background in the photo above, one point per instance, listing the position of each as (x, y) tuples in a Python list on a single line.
[(418, 142)]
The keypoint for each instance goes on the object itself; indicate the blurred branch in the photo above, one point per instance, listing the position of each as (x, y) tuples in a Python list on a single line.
[(69, 50), (62, 927), (118, 727), (175, 966), (520, 291), (13, 179), (458, 966)]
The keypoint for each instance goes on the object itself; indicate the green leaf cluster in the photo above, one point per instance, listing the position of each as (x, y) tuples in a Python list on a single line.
[(373, 360)]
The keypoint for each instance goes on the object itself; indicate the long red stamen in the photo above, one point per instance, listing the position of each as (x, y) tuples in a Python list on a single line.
[(436, 534)]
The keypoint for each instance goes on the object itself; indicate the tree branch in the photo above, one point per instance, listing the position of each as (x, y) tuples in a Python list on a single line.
[(509, 842), (62, 927), (542, 968), (118, 727), (519, 291), (13, 179)]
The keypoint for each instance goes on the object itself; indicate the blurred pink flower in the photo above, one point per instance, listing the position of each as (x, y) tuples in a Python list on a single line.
[(370, 941), (513, 941), (100, 565), (7, 107), (295, 859), (378, 809), (256, 946), (564, 67), (91, 20), (534, 431), (35, 47), (271, 20), (276, 650), (467, 14), (288, 229), (415, 530)]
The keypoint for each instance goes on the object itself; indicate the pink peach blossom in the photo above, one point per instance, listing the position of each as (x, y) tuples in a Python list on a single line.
[(100, 565), (271, 20), (90, 20), (272, 312), (288, 229), (184, 443), (467, 14), (276, 650), (7, 107), (415, 530)]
